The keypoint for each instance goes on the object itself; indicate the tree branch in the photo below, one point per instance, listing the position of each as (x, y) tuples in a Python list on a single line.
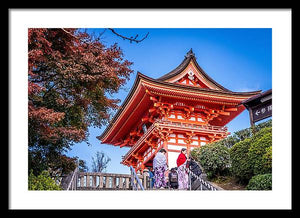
[(84, 41), (131, 39)]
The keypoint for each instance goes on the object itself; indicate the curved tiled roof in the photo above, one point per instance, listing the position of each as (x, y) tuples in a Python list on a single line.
[(141, 76), (190, 56)]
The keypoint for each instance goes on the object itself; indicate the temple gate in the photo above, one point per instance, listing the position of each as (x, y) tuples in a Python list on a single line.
[(184, 108)]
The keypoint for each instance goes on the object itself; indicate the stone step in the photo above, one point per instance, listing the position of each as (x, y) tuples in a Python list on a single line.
[(99, 189)]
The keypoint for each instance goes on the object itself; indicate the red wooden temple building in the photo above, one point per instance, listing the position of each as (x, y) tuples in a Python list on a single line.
[(184, 108)]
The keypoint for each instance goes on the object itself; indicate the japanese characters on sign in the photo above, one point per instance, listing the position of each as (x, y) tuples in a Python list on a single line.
[(262, 111), (259, 106)]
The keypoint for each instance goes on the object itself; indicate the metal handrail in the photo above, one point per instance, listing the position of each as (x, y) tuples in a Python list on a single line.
[(72, 179), (134, 176), (203, 182)]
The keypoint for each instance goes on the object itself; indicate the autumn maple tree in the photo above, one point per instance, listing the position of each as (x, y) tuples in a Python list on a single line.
[(70, 76)]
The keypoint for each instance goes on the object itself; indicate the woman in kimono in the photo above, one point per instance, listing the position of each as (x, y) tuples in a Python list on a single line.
[(160, 167), (182, 170)]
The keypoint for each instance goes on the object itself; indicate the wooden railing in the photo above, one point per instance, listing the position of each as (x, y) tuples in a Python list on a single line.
[(219, 129), (182, 125), (140, 140)]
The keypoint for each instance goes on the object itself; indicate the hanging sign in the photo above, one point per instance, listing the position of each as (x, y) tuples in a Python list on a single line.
[(262, 111)]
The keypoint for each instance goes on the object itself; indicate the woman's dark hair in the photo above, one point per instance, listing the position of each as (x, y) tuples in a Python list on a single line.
[(183, 149), (162, 150)]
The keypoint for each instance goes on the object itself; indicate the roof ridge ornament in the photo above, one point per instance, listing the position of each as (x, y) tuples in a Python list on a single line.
[(190, 53)]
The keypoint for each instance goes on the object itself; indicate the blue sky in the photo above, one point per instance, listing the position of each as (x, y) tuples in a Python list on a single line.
[(238, 59)]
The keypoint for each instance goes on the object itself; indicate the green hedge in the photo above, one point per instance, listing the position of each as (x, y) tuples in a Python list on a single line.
[(240, 167), (261, 142), (260, 182), (252, 156)]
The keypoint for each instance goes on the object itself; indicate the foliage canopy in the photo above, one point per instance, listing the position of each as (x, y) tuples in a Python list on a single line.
[(70, 75)]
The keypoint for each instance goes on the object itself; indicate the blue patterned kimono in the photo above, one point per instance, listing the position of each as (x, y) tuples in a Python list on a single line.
[(159, 166)]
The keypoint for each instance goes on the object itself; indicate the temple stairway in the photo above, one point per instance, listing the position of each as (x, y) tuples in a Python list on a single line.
[(109, 181)]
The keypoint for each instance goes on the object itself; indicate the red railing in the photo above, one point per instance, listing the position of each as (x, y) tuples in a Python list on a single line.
[(180, 126)]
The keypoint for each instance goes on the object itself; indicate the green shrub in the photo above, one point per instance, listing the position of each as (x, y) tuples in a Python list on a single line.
[(260, 182), (240, 165), (214, 158), (252, 156), (260, 144), (41, 182)]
